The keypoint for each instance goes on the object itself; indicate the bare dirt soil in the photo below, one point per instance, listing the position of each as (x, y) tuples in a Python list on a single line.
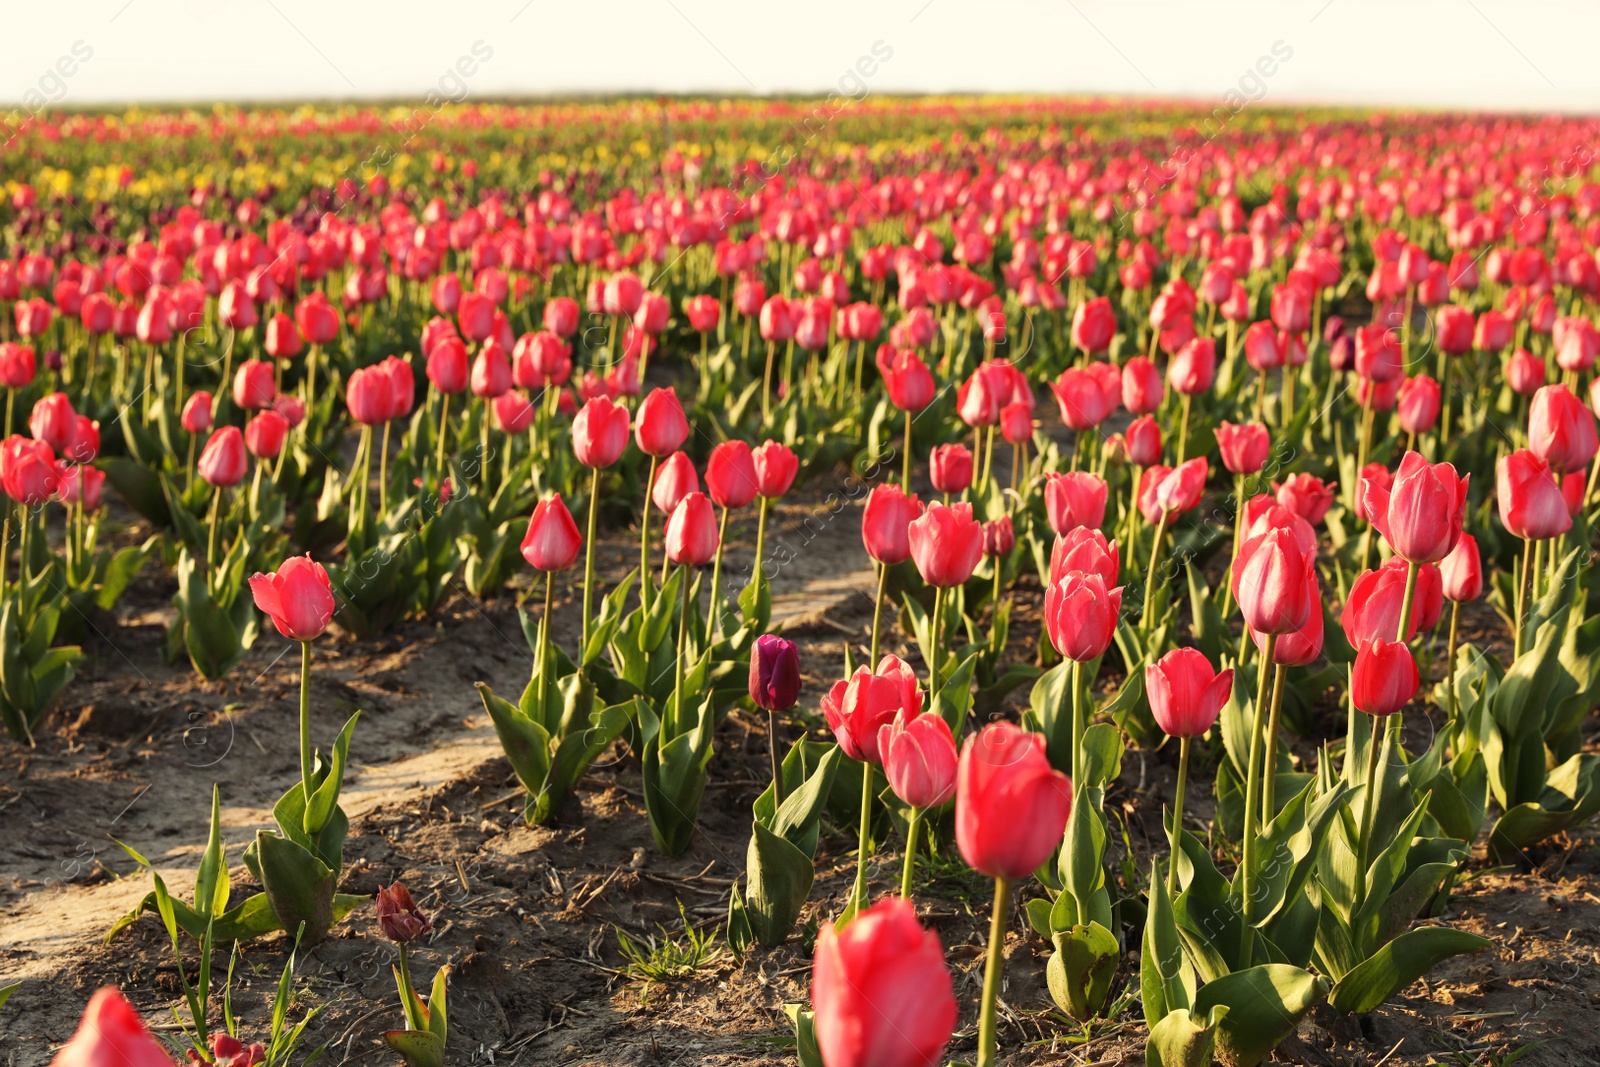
[(529, 918)]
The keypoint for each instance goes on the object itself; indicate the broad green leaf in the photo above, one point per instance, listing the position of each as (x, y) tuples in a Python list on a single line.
[(1398, 964)]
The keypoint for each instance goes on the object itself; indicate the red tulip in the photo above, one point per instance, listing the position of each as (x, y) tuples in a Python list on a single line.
[(223, 462), (1075, 499), (317, 318), (1419, 404), (475, 316), (885, 523), (1087, 550), (692, 532), (1461, 572), (28, 470), (919, 759), (513, 411), (858, 708), (1081, 614), (446, 293), (197, 413), (1011, 805), (1454, 329), (1186, 693), (881, 991), (1262, 347), (369, 394), (298, 597), (53, 421), (1421, 515), (1141, 386), (731, 475), (1142, 441), (599, 432), (254, 385), (1561, 430), (1244, 448), (703, 313), (950, 468), (999, 537), (1172, 490), (776, 467), (661, 427), (1576, 342), (1263, 513), (777, 320), (17, 365), (448, 368), (1373, 610), (906, 378), (111, 1034), (1301, 646), (946, 544), (80, 484), (402, 386), (980, 397), (1269, 582), (561, 316), (1530, 502), (265, 433), (1094, 324), (1082, 401), (399, 918), (1193, 369), (1307, 496), (283, 337), (1384, 677), (491, 370), (675, 479), (622, 294), (552, 541), (1016, 422)]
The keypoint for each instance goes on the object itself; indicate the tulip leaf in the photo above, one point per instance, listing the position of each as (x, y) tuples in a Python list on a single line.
[(211, 882), (1050, 713), (140, 485), (575, 750), (658, 619), (209, 634), (797, 817), (1102, 755), (954, 699), (805, 1034), (418, 1048), (1166, 978), (1571, 795), (1206, 911), (329, 778), (1080, 972), (778, 880), (1182, 1039), (1210, 633), (604, 627), (674, 779), (298, 885), (1265, 1004), (1084, 899), (1398, 964)]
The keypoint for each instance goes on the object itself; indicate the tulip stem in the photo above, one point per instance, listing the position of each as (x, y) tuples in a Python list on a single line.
[(1183, 430), (1150, 572), (588, 556), (714, 622), (1252, 802), (1405, 604), (913, 829), (1523, 590), (858, 900), (877, 613), (777, 764), (988, 460), (905, 466), (935, 654), (766, 384), (1177, 814), (677, 680), (383, 473), (542, 666), (644, 538), (444, 424), (1079, 720), (1451, 708), (211, 532), (992, 974), (305, 721), (1269, 780)]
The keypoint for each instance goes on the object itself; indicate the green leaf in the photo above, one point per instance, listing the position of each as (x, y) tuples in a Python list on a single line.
[(1166, 979), (1264, 1005), (604, 627), (1184, 1040), (1398, 964), (329, 778), (1080, 972), (954, 699), (1050, 713), (419, 1048), (298, 885), (778, 880), (805, 1033), (211, 882)]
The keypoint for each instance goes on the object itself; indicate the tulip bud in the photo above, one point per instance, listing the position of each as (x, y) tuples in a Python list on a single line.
[(599, 432), (398, 917), (552, 541), (731, 474), (1384, 677), (111, 1034), (692, 532), (1081, 615), (858, 708), (950, 468), (1075, 499), (223, 461), (886, 521), (776, 467), (1011, 805), (661, 427), (675, 479), (774, 673), (264, 434), (1421, 516), (946, 544), (1186, 694), (919, 759), (1530, 502)]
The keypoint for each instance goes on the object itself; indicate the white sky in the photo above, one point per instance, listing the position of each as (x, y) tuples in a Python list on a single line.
[(1534, 54)]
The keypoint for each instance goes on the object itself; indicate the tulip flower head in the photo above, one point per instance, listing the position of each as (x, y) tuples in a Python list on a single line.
[(1075, 499), (111, 1034), (946, 543), (1011, 805), (398, 916), (858, 707), (1421, 515), (1080, 614), (919, 759), (692, 531), (298, 597), (1186, 694), (774, 673), (1529, 499), (885, 523), (1384, 677), (552, 541)]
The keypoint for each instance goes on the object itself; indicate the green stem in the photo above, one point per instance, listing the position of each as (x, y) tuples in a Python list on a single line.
[(305, 721), (1177, 814), (683, 629), (211, 528), (992, 973), (1075, 680), (1183, 430), (877, 613), (938, 636), (383, 474), (644, 537), (1450, 664), (1252, 802), (1522, 595), (444, 416), (714, 622), (905, 466), (777, 765), (1150, 571), (863, 850), (1269, 768), (912, 830), (588, 555)]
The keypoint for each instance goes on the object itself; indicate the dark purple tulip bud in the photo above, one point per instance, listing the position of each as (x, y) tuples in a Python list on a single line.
[(52, 359), (398, 917), (774, 673), (1333, 328), (1342, 356)]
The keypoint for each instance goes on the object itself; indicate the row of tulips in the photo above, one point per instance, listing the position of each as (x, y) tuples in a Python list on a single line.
[(1191, 315)]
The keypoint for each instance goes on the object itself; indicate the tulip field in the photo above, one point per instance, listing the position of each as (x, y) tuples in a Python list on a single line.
[(955, 581)]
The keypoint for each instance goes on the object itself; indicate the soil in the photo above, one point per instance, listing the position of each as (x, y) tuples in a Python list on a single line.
[(529, 918)]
